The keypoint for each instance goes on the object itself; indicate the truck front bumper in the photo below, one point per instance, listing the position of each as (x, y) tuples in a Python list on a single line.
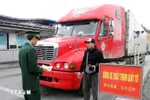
[(61, 80)]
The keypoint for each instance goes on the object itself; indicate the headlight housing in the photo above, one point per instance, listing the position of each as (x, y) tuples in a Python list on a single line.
[(66, 66), (58, 65)]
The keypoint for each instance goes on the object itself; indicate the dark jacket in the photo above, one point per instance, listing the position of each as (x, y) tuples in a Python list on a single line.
[(95, 57), (30, 70)]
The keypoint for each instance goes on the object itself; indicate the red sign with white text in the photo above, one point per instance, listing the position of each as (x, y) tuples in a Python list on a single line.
[(121, 80)]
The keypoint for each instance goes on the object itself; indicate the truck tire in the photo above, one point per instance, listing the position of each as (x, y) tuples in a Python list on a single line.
[(128, 61), (80, 90), (143, 58), (132, 60)]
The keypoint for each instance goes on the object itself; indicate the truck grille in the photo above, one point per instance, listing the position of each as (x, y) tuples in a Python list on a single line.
[(45, 53)]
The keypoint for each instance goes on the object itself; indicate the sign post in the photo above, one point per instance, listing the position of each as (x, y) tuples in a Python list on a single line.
[(121, 80)]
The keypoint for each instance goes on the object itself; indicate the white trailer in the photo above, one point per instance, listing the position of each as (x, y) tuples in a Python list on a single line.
[(136, 38)]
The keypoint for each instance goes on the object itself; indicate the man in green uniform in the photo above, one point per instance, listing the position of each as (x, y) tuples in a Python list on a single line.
[(30, 70)]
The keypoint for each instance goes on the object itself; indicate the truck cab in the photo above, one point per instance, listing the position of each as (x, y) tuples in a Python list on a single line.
[(106, 24)]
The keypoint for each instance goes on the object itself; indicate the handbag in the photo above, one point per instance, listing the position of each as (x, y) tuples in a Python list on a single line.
[(87, 68)]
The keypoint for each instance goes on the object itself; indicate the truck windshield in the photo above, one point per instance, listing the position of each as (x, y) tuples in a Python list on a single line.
[(73, 29)]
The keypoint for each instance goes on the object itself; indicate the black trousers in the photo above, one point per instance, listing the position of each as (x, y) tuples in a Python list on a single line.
[(35, 95), (90, 81)]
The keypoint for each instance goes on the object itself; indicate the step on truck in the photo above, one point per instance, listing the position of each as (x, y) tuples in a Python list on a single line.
[(116, 33)]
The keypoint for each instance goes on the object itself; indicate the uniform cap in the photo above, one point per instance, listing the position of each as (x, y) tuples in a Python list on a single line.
[(90, 40), (34, 33)]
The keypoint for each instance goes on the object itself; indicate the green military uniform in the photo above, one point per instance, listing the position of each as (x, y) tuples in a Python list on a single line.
[(30, 71)]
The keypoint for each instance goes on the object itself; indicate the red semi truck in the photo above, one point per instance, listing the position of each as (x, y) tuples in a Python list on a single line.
[(117, 35)]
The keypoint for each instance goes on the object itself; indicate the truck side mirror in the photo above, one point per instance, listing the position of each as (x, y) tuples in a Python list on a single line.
[(111, 26), (80, 34)]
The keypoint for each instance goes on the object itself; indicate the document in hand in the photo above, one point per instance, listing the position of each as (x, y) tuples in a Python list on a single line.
[(49, 68)]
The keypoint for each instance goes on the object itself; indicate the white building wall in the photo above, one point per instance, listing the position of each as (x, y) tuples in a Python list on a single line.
[(11, 54), (8, 56)]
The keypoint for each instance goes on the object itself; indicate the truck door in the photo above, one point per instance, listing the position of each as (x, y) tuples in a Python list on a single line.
[(105, 38)]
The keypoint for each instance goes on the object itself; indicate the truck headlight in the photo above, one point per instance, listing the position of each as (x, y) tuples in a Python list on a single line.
[(58, 65), (66, 65)]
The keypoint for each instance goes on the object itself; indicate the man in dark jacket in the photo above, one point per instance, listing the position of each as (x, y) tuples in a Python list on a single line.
[(90, 67), (29, 69)]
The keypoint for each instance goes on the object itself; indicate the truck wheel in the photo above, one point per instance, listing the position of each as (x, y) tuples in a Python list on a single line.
[(143, 58), (127, 61), (80, 90), (132, 60)]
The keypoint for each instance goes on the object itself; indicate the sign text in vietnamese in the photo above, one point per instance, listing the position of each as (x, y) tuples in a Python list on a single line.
[(121, 80)]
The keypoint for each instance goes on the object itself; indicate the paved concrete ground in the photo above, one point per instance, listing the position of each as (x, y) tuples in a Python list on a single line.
[(9, 65), (146, 89)]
